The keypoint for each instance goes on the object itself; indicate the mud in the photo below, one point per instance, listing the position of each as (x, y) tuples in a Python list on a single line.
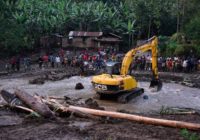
[(75, 128), (15, 125)]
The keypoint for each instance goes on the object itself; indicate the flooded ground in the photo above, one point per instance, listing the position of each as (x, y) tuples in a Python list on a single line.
[(15, 125), (171, 95)]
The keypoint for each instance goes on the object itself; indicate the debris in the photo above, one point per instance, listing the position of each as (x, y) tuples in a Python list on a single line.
[(93, 104), (10, 98), (79, 86), (34, 103), (57, 98), (177, 111), (37, 80), (28, 110), (43, 105), (63, 109), (189, 84), (14, 102)]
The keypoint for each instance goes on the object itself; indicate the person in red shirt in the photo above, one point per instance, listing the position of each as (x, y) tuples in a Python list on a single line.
[(13, 63), (94, 58), (45, 60)]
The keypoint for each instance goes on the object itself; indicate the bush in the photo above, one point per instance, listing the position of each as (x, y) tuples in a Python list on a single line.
[(189, 136)]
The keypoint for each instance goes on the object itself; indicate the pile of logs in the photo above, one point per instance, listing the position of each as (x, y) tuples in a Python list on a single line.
[(47, 107)]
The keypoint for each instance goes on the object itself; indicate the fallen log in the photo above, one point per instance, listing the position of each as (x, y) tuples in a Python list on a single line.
[(53, 104), (34, 104), (137, 118), (10, 98), (14, 102)]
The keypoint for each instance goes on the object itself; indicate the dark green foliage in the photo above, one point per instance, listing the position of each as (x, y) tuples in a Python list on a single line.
[(188, 135), (24, 21), (193, 28)]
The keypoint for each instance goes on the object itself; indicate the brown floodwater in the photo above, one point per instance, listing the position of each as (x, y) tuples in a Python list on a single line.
[(171, 95)]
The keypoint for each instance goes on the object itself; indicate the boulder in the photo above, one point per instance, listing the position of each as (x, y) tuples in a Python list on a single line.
[(79, 86)]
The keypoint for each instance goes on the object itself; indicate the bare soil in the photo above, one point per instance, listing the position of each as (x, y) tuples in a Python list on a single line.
[(82, 128)]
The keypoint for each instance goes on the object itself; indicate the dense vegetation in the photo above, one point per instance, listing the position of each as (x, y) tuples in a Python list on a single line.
[(176, 22)]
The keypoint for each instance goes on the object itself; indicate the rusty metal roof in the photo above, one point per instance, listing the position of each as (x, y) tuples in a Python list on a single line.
[(84, 34), (108, 39)]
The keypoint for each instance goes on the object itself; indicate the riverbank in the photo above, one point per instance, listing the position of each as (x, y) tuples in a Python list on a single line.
[(186, 79)]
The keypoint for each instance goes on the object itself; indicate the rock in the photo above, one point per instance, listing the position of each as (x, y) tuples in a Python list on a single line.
[(79, 86), (145, 97), (38, 81)]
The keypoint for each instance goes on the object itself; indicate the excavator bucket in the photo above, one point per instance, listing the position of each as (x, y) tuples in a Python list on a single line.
[(156, 84)]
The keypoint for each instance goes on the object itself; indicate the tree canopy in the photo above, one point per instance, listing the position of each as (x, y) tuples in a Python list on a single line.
[(24, 21)]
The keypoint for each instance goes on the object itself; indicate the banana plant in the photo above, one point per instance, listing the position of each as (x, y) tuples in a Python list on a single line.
[(129, 29)]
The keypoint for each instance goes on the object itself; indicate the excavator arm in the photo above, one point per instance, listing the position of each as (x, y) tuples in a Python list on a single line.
[(151, 45)]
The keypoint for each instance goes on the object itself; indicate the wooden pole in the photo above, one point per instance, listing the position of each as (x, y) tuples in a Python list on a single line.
[(137, 118)]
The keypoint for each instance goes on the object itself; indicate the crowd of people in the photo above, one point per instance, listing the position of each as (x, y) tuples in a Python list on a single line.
[(168, 64), (95, 60)]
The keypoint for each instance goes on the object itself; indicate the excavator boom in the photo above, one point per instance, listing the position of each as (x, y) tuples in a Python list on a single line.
[(150, 45)]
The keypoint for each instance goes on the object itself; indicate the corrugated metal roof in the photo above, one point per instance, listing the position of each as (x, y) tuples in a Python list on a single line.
[(84, 34), (109, 39)]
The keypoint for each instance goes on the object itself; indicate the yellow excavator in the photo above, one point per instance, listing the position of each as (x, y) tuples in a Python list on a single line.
[(118, 83)]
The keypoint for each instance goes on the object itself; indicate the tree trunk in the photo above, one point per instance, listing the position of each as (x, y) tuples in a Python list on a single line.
[(149, 30), (178, 18), (129, 40), (182, 15), (34, 103), (137, 118)]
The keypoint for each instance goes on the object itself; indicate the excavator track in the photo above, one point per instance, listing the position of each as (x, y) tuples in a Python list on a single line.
[(126, 97), (122, 97)]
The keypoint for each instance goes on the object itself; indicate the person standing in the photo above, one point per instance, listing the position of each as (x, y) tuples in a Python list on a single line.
[(40, 62), (45, 60), (57, 61), (13, 63)]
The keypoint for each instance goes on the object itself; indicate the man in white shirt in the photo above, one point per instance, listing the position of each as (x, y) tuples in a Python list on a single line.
[(57, 61)]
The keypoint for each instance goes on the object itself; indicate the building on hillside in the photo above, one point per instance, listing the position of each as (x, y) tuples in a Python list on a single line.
[(91, 40), (81, 40)]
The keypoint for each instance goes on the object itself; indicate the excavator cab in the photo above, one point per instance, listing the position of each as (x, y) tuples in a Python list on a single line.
[(113, 68)]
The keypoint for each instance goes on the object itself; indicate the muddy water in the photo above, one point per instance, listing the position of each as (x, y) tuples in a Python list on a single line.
[(171, 95)]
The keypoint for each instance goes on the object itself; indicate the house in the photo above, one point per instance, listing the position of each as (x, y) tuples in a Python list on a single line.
[(91, 40), (81, 40), (53, 40)]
